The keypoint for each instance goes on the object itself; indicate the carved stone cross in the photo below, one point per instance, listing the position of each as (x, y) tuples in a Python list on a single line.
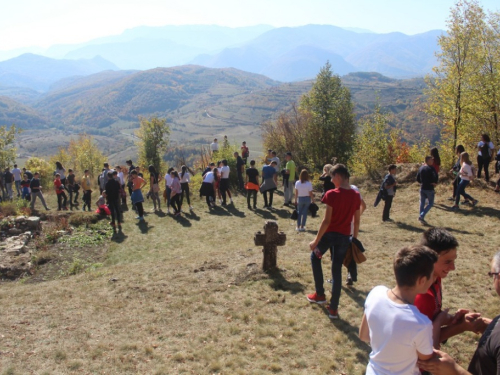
[(270, 239)]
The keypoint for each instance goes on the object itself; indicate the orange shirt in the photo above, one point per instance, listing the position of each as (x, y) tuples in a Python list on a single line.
[(137, 182)]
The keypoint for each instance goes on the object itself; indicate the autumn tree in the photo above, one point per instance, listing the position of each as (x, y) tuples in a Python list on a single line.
[(331, 126), (153, 141), (8, 152)]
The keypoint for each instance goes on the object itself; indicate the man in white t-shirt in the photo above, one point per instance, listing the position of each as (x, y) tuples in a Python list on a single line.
[(214, 146), (224, 183), (396, 330), (17, 179)]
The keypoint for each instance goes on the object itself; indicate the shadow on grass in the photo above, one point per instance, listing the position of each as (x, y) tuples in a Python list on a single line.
[(144, 227), (183, 221), (480, 212), (218, 211), (160, 213), (234, 211), (119, 237), (412, 228), (356, 295), (281, 283), (191, 215)]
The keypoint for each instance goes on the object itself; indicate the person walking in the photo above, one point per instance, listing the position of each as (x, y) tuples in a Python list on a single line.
[(168, 189), (466, 175), (240, 169), (390, 188), (326, 179), (456, 168), (175, 193), (342, 205), (252, 184), (154, 190), (112, 189), (62, 199), (185, 179), (304, 196), (485, 151), (9, 180), (62, 172), (70, 187), (137, 197), (269, 184), (245, 152), (36, 191), (224, 183), (87, 192), (427, 178), (16, 172), (289, 183)]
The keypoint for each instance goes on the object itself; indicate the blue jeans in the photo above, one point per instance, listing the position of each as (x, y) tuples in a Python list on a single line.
[(18, 187), (339, 244), (302, 208), (461, 191), (426, 194)]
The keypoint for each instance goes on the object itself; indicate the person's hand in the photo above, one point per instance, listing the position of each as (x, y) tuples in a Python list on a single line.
[(479, 325), (459, 315), (440, 364), (313, 244), (444, 318)]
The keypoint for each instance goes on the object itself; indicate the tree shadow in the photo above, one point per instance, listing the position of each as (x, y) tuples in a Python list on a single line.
[(144, 227), (119, 237), (281, 283)]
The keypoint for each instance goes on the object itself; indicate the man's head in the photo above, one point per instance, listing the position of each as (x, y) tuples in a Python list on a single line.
[(252, 163), (86, 171), (269, 152), (273, 153), (274, 163), (58, 176), (15, 165), (429, 160), (36, 175), (115, 174), (106, 165), (339, 174), (70, 171), (414, 266), (392, 169), (445, 245), (224, 162), (495, 270), (118, 168), (288, 156), (215, 140), (244, 143), (129, 162), (236, 154), (212, 165), (110, 175)]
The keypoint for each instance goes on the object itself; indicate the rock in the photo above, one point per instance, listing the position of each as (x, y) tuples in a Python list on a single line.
[(13, 267), (20, 219), (15, 231), (33, 222)]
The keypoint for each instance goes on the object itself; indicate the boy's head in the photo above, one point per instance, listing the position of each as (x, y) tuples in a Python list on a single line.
[(340, 173), (36, 175), (414, 266), (115, 174), (133, 173), (58, 176), (392, 169), (224, 162), (429, 160), (252, 163), (86, 171), (288, 156), (274, 153), (445, 245), (70, 171)]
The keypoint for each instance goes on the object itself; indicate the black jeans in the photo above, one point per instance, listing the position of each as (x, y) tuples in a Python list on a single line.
[(175, 202), (250, 193), (62, 200), (140, 209), (387, 207), (240, 180), (456, 181), (87, 198), (483, 163), (114, 207), (185, 191), (271, 193)]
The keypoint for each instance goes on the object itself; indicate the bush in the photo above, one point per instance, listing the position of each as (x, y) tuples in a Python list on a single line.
[(8, 208)]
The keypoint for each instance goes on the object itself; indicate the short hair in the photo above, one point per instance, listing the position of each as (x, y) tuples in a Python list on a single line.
[(129, 162), (304, 175), (428, 157), (252, 162), (134, 172), (289, 154), (274, 153), (392, 167), (36, 173), (412, 263), (439, 240), (70, 170), (274, 162), (118, 167), (341, 170), (115, 173), (224, 162), (110, 174), (270, 150), (85, 171), (212, 164), (15, 165), (495, 262), (58, 175), (106, 164), (236, 153)]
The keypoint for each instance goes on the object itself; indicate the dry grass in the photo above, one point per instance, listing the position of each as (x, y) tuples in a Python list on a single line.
[(190, 296)]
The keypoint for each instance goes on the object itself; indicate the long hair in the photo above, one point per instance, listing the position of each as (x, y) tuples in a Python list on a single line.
[(486, 138), (152, 170), (435, 155), (59, 165), (459, 149), (183, 171), (304, 176), (464, 158)]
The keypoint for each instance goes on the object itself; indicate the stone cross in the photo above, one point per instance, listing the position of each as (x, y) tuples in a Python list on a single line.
[(270, 239)]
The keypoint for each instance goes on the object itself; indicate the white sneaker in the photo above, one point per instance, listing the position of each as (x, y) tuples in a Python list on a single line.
[(190, 208), (220, 201), (231, 201), (297, 229), (168, 210)]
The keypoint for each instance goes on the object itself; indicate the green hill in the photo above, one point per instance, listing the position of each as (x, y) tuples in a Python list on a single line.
[(23, 116)]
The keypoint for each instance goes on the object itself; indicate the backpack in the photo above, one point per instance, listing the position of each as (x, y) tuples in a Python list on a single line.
[(485, 152)]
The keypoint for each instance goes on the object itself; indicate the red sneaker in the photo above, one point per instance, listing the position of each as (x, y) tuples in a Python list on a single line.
[(320, 300), (332, 314)]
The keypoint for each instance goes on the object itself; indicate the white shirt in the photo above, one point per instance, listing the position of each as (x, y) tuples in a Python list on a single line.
[(209, 177), (186, 178), (214, 146), (490, 145), (466, 172), (168, 179), (397, 332), (224, 172), (120, 178), (277, 160), (303, 188), (17, 174)]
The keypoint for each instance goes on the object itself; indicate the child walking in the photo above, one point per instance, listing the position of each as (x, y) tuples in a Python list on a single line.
[(62, 199), (303, 198), (175, 195), (252, 184), (390, 188), (466, 175)]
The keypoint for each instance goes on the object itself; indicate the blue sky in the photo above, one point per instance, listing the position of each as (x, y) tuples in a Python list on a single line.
[(27, 23)]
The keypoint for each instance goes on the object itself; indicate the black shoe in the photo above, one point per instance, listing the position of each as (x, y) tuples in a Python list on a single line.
[(349, 281), (249, 207), (254, 207)]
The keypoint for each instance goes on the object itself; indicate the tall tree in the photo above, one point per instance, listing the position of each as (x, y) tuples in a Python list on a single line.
[(153, 141), (331, 129), (8, 152)]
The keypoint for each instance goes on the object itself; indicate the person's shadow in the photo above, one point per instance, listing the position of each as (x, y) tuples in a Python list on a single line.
[(144, 227), (118, 237), (192, 216), (183, 221), (234, 211)]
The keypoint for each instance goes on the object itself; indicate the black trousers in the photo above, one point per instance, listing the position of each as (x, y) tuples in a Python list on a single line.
[(87, 198), (483, 163), (271, 193), (62, 199), (249, 194), (456, 181), (387, 207), (185, 191), (175, 202), (114, 207)]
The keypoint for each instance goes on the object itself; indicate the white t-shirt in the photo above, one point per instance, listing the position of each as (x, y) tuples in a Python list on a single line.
[(224, 171), (303, 188), (466, 172), (186, 178), (481, 144), (209, 177), (168, 179), (214, 146), (17, 174), (120, 178), (397, 332)]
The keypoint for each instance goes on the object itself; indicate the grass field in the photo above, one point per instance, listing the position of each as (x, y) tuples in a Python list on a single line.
[(188, 296)]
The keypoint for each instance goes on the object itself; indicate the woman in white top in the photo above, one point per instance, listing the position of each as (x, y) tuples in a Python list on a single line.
[(485, 151), (466, 175), (207, 187), (185, 176), (303, 199), (168, 190)]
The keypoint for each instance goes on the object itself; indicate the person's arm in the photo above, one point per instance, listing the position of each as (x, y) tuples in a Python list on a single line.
[(357, 216), (296, 196), (442, 364), (275, 178), (441, 319), (464, 321), (364, 330), (151, 183), (362, 208), (323, 227), (143, 183), (311, 194)]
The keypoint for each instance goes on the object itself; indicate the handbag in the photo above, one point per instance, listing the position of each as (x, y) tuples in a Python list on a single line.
[(295, 215)]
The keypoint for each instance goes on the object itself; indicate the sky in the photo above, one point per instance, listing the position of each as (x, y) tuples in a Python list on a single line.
[(30, 23)]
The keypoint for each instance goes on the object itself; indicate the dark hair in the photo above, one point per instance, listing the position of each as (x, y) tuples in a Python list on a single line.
[(274, 153), (486, 138), (129, 162), (391, 167), (59, 165), (341, 170), (183, 171), (152, 169), (224, 162), (435, 155), (212, 164), (460, 149), (110, 174), (304, 175), (134, 172), (439, 240), (175, 173), (428, 157), (252, 162), (170, 170), (412, 263), (70, 170), (114, 173)]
